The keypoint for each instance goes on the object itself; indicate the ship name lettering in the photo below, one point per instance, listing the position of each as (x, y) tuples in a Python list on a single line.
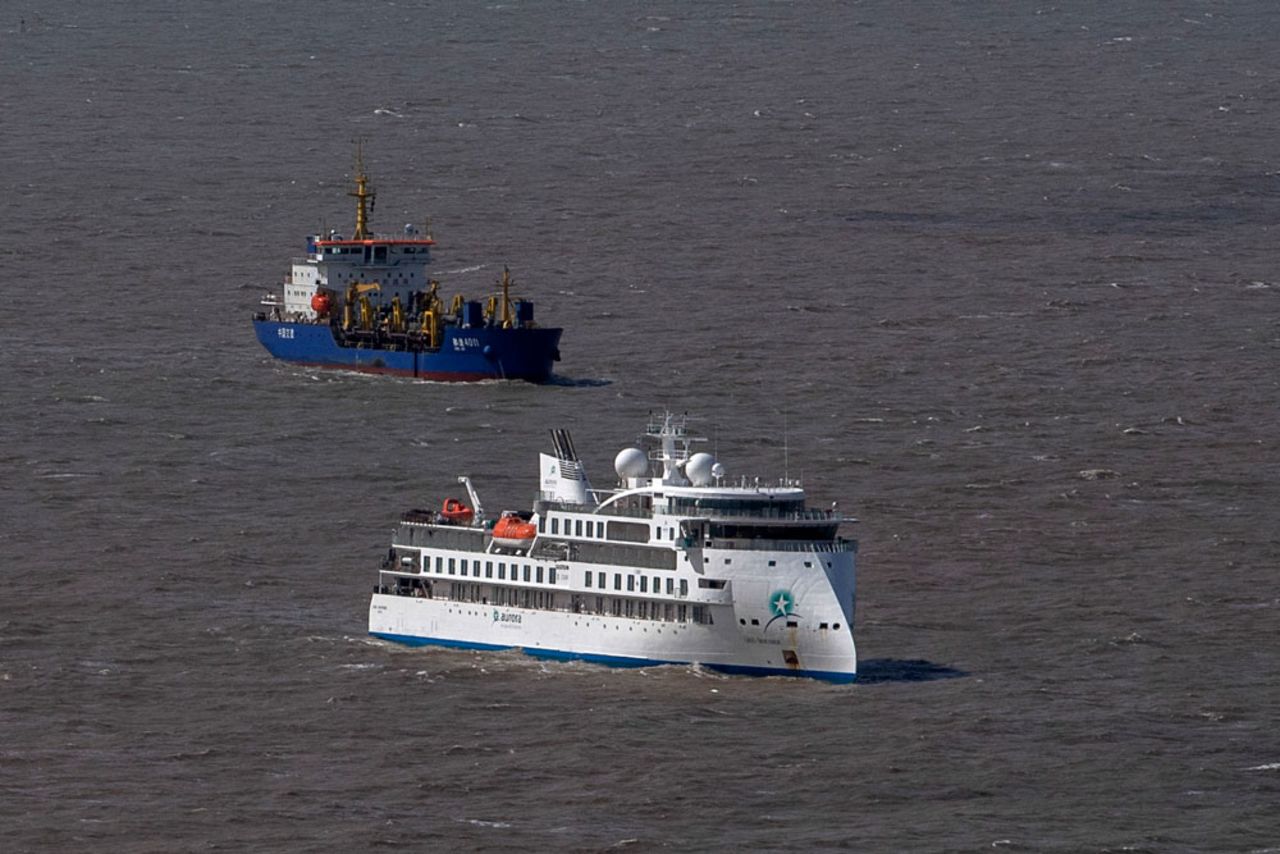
[(284, 332), (505, 617), (464, 343)]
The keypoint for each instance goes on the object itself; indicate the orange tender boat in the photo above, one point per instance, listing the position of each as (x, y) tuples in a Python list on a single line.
[(455, 510), (514, 532)]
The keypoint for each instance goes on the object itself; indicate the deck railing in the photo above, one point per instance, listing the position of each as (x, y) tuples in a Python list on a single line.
[(712, 513)]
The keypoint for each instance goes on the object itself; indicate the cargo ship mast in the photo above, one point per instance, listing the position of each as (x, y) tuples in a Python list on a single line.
[(364, 197)]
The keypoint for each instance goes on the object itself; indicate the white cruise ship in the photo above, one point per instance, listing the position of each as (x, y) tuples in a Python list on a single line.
[(677, 565)]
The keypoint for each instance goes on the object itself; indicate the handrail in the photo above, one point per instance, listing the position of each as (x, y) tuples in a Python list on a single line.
[(711, 513), (839, 544)]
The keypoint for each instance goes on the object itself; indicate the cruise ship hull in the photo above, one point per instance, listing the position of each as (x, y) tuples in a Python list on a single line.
[(616, 641), (481, 353)]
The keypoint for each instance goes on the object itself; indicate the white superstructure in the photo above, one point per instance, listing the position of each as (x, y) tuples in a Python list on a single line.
[(676, 565), (339, 265), (398, 265)]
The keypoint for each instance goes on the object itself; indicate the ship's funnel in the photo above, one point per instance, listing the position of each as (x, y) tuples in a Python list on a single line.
[(563, 478)]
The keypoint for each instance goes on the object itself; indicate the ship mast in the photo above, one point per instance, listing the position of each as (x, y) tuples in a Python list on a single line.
[(506, 298), (363, 197)]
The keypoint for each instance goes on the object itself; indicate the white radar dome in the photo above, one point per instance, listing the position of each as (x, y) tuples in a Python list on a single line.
[(700, 469), (631, 462), (717, 470)]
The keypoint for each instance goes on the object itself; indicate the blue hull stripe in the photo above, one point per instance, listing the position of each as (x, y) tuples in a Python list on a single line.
[(620, 661), (465, 354)]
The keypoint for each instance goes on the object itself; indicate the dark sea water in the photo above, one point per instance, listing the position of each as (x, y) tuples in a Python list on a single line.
[(1003, 274)]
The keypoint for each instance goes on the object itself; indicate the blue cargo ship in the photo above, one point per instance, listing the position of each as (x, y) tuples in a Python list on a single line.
[(366, 303)]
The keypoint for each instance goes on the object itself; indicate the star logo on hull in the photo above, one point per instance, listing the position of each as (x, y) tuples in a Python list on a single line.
[(781, 604)]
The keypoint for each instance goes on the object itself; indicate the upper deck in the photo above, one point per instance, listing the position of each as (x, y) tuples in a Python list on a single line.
[(368, 250), (657, 502), (670, 484)]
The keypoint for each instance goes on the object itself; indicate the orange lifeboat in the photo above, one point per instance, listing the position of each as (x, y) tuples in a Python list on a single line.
[(514, 532), (455, 510), (320, 303)]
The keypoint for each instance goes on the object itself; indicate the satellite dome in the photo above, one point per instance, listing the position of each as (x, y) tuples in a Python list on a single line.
[(699, 469), (717, 470), (631, 462)]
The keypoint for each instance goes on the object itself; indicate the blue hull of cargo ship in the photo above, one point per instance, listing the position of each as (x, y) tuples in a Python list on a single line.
[(476, 353)]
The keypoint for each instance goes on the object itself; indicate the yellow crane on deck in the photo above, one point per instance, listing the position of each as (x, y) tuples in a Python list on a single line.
[(358, 292)]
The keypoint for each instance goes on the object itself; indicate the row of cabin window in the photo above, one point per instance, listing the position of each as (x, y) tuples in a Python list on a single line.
[(790, 623), (379, 252), (516, 597), (729, 560), (513, 597), (642, 609), (400, 279), (602, 582), (465, 591), (571, 525), (591, 529), (531, 573)]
